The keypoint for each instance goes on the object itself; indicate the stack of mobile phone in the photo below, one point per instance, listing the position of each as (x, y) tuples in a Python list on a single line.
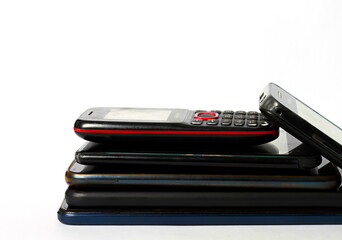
[(176, 166)]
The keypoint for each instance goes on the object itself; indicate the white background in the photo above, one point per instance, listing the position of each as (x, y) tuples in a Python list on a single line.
[(58, 58)]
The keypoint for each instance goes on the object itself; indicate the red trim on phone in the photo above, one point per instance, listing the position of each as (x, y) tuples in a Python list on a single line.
[(271, 132)]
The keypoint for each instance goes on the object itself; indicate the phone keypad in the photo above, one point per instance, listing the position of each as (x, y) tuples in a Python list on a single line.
[(231, 118)]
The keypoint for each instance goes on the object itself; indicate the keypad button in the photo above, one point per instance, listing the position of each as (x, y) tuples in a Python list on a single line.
[(240, 116), (197, 122), (212, 121), (240, 112), (252, 123), (252, 117), (265, 124), (227, 116), (228, 112), (253, 113), (216, 111), (206, 115), (226, 122), (239, 122)]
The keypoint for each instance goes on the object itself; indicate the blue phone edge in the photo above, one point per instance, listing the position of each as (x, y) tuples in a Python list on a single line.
[(84, 217)]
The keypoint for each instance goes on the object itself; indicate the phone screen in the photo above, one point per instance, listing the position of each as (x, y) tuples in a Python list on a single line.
[(162, 115), (138, 114)]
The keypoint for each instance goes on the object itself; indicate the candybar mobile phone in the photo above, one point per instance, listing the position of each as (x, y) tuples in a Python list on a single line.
[(198, 216), (284, 152), (138, 176), (120, 124), (302, 122)]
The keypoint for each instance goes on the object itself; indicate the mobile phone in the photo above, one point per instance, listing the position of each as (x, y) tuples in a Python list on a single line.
[(156, 124), (284, 152), (190, 198), (198, 216), (87, 176), (302, 122)]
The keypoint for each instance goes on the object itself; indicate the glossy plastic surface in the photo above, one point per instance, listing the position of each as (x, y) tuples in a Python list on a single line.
[(93, 125), (85, 176), (284, 152), (272, 105), (191, 198)]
